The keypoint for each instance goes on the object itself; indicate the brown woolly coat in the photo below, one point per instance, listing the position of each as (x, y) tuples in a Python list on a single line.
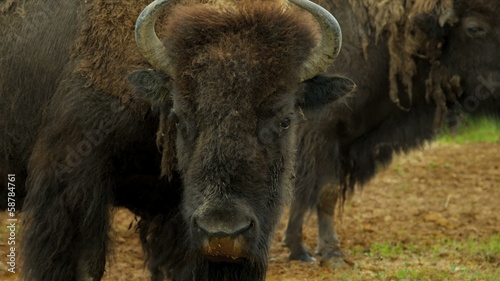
[(405, 42)]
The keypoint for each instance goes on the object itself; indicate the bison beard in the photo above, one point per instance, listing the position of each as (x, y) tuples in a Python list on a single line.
[(224, 113), (170, 251)]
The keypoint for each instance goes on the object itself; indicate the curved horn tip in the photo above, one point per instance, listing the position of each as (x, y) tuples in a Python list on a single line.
[(148, 43), (328, 48)]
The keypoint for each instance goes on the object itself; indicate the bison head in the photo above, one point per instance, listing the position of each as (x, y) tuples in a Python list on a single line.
[(230, 82), (467, 42)]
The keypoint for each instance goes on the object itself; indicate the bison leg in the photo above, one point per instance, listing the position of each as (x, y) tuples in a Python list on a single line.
[(328, 243), (65, 235), (63, 244), (70, 186), (293, 234), (163, 238)]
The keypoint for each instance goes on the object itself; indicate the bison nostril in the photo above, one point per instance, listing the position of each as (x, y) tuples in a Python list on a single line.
[(223, 228)]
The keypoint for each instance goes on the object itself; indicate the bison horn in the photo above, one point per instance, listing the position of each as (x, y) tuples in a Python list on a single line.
[(328, 48), (146, 39)]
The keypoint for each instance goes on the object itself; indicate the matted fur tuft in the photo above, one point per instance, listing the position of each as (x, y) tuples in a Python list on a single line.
[(405, 41), (4, 7)]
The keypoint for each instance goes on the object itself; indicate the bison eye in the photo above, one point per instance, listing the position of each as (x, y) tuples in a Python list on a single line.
[(476, 31), (285, 123), (475, 27)]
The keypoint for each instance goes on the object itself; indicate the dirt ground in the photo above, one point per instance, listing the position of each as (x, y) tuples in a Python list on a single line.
[(446, 191)]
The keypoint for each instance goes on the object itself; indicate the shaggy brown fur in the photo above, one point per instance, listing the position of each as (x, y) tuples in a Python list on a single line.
[(6, 5), (405, 41), (107, 48), (265, 40)]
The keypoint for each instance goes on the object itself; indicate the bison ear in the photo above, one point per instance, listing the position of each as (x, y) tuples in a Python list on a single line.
[(322, 89), (153, 85)]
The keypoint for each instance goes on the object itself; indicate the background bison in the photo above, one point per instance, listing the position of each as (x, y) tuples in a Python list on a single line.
[(223, 104), (417, 65)]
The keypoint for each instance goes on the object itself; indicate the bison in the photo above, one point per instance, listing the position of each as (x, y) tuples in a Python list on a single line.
[(417, 65), (201, 147)]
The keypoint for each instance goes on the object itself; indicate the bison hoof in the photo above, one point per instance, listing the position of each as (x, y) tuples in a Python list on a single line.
[(333, 262), (331, 258), (302, 255)]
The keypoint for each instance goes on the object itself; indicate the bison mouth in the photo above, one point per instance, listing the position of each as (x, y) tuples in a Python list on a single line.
[(224, 249)]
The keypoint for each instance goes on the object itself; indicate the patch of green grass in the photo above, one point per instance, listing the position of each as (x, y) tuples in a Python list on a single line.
[(480, 250), (444, 259), (467, 249), (447, 165), (422, 274), (487, 251), (473, 130), (397, 168), (388, 250), (401, 187), (357, 251), (416, 274)]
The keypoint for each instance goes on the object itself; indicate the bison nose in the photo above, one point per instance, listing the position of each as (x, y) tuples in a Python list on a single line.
[(224, 231), (232, 227)]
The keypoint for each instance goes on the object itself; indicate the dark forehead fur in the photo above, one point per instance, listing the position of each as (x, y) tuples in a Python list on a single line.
[(245, 55), (490, 8)]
